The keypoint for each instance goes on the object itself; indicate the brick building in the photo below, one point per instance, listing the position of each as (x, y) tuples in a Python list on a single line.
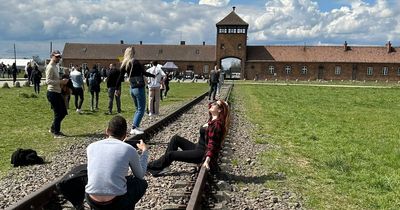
[(261, 62)]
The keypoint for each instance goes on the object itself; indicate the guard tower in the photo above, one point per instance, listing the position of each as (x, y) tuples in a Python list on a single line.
[(232, 39)]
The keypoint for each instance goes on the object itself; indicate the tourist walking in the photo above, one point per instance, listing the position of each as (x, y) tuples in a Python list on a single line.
[(94, 81), (14, 71), (77, 82), (213, 81), (112, 78), (36, 77), (54, 94), (135, 72)]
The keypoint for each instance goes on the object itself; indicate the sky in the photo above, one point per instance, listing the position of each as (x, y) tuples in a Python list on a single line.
[(33, 24)]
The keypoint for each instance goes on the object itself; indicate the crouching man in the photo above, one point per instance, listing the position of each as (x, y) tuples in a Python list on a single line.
[(109, 185)]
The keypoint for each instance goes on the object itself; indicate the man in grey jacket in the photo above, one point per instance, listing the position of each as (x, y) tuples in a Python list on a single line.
[(109, 185), (54, 96)]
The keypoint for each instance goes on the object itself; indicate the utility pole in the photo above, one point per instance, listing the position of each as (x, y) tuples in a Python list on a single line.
[(15, 55)]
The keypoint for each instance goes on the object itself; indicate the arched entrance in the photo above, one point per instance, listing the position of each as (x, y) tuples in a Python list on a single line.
[(231, 67)]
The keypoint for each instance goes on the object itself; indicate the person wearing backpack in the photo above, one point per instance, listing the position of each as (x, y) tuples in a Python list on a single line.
[(214, 80), (94, 81)]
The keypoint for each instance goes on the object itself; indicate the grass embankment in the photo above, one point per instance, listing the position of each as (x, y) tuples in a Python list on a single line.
[(338, 147), (25, 118)]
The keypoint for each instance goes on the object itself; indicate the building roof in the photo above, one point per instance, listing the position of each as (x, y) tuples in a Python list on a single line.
[(143, 52), (334, 54), (232, 19)]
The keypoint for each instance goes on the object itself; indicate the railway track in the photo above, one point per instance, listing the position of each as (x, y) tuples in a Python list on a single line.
[(184, 189)]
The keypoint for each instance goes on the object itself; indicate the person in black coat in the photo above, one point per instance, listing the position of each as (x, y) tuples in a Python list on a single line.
[(36, 77), (94, 80)]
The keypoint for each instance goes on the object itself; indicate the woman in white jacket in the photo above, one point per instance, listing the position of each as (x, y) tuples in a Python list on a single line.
[(154, 85)]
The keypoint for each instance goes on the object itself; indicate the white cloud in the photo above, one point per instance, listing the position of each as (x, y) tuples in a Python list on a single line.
[(216, 3), (278, 22)]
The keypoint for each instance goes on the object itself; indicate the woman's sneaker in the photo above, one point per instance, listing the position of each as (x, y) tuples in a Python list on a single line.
[(136, 131)]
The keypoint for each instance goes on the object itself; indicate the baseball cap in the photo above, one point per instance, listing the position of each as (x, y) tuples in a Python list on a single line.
[(56, 53)]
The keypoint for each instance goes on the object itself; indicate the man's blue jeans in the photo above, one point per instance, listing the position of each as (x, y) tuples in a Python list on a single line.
[(139, 99)]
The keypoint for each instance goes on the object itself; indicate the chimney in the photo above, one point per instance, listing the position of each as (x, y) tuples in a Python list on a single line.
[(140, 42), (204, 43), (389, 47), (121, 41), (233, 8), (182, 42), (345, 46)]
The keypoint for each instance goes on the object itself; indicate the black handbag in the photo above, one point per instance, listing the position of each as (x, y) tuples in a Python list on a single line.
[(137, 81)]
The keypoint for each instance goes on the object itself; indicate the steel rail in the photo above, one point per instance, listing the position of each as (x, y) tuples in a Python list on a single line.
[(41, 197), (195, 198)]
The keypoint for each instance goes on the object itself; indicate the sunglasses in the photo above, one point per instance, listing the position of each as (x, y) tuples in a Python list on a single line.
[(58, 56)]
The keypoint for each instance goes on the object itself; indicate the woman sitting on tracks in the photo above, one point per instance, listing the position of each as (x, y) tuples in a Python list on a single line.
[(207, 148)]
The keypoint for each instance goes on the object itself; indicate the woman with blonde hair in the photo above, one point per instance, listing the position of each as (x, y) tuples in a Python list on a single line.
[(205, 151), (136, 72)]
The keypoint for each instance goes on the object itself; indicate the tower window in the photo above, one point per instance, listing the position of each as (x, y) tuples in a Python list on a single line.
[(239, 46), (241, 30), (197, 51), (222, 46), (222, 30), (160, 51), (231, 30)]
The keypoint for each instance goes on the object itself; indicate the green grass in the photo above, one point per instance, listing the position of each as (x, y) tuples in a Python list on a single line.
[(26, 118), (338, 147)]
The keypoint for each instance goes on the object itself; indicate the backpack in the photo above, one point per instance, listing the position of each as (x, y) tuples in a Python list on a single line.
[(72, 185), (214, 77), (92, 79), (24, 157)]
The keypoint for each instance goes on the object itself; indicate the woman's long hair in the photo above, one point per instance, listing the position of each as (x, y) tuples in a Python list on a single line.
[(224, 117), (128, 58)]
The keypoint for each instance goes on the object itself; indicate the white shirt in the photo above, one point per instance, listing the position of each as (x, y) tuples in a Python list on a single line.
[(159, 75)]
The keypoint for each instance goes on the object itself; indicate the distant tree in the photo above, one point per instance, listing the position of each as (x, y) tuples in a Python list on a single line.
[(38, 60)]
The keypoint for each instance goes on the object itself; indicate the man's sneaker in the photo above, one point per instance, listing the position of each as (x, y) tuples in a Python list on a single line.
[(79, 111), (108, 113), (136, 131), (59, 135)]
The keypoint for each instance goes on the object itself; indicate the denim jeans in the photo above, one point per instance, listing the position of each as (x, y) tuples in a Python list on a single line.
[(111, 95), (78, 95), (212, 91), (139, 99), (60, 111), (94, 96)]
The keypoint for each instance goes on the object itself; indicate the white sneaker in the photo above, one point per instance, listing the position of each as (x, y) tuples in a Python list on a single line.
[(78, 111), (136, 131)]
